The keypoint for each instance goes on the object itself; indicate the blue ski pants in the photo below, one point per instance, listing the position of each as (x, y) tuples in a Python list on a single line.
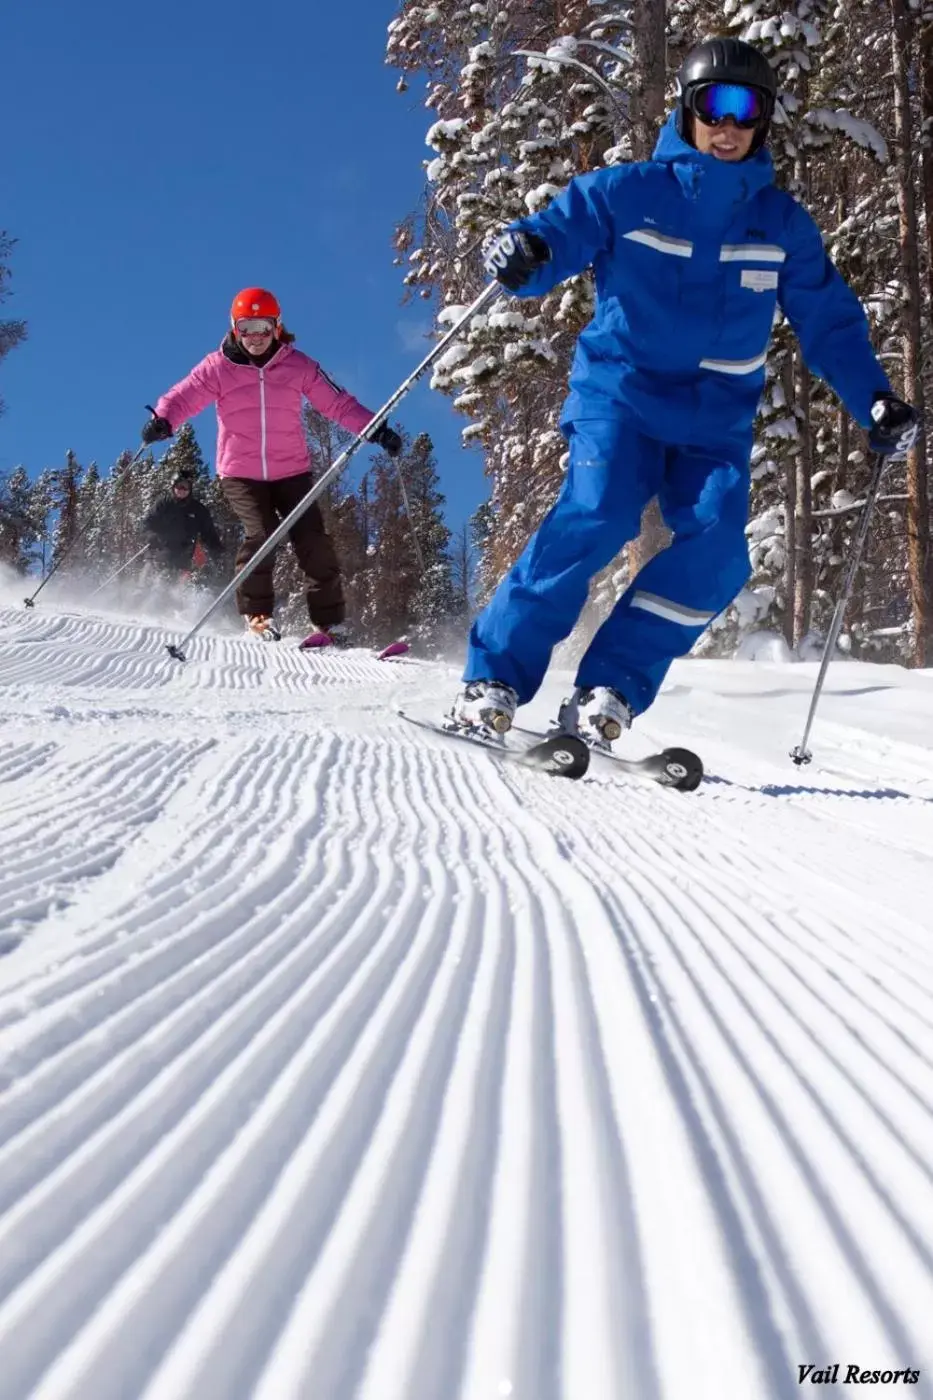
[(613, 472)]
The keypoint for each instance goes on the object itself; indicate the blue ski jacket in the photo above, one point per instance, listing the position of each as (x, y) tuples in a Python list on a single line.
[(691, 257)]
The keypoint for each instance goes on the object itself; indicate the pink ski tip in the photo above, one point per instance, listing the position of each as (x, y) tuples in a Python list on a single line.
[(315, 639), (394, 649)]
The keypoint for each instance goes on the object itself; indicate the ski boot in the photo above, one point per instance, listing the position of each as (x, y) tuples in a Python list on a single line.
[(486, 707), (262, 625), (598, 715), (337, 635)]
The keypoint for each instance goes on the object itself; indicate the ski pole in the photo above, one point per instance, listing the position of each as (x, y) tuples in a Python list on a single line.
[(801, 754), (118, 572), (30, 602), (488, 294)]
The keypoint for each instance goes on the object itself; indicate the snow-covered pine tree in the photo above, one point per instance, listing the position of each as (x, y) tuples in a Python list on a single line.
[(184, 455), (19, 529), (392, 575), (525, 97), (65, 484), (12, 332), (434, 609), (462, 569), (91, 551), (123, 511), (41, 505)]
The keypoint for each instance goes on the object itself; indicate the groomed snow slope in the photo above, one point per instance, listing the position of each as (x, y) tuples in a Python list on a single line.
[(338, 1061)]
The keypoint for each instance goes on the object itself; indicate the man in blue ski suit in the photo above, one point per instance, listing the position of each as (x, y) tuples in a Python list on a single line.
[(692, 253)]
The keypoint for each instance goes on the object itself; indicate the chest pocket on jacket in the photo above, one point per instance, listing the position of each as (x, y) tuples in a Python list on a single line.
[(646, 280), (749, 278)]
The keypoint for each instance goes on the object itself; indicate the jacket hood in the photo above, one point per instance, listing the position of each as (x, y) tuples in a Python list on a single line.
[(707, 178)]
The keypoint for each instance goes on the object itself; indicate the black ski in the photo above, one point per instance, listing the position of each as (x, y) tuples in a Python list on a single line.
[(676, 768), (558, 755)]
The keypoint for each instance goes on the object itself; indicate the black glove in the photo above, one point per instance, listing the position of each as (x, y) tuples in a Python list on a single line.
[(388, 439), (895, 426), (156, 430), (515, 257)]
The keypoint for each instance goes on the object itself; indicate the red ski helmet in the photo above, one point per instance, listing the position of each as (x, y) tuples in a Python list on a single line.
[(255, 301)]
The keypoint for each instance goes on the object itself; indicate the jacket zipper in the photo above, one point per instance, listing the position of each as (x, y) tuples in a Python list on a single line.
[(262, 421)]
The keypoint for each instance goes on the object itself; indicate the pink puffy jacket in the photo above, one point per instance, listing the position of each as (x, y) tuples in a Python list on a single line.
[(260, 433)]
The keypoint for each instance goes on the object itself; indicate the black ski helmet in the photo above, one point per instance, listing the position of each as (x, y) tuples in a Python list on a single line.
[(727, 60), (184, 478)]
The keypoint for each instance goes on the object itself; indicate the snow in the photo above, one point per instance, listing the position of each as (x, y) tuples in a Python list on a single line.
[(541, 195), (341, 1062), (454, 356), (444, 131), (861, 132), (782, 428)]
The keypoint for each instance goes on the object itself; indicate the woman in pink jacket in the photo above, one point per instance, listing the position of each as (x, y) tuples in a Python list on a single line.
[(258, 381)]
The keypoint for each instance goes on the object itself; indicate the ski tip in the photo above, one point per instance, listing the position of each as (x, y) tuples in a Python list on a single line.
[(394, 649), (682, 770)]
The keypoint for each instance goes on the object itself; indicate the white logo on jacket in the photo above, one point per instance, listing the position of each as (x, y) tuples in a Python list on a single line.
[(759, 279)]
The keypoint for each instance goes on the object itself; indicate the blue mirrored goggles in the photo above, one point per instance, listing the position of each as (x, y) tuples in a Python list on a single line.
[(714, 102)]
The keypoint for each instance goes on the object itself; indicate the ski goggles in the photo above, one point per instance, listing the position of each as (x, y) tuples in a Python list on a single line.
[(255, 325), (712, 103)]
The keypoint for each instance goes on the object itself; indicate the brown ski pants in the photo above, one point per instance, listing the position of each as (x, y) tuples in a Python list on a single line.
[(261, 506)]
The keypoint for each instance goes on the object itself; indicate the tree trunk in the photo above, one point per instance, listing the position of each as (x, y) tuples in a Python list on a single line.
[(650, 51), (926, 139), (790, 510), (918, 516), (835, 573), (801, 600), (803, 516), (841, 480)]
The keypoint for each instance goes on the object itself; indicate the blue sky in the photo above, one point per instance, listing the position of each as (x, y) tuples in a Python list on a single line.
[(161, 157)]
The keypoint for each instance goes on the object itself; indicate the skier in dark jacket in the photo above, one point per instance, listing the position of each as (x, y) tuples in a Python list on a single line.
[(176, 526), (692, 253)]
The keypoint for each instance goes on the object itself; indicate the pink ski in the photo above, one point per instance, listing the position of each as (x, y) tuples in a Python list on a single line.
[(315, 640)]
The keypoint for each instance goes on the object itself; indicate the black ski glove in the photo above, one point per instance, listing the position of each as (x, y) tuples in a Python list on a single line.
[(895, 426), (388, 439), (156, 430), (514, 258)]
